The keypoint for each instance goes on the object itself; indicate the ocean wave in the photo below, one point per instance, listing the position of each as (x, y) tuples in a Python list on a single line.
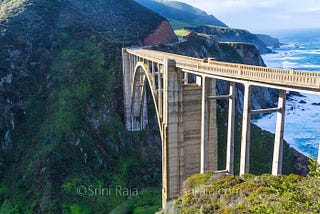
[(311, 66), (305, 138), (288, 64), (308, 52)]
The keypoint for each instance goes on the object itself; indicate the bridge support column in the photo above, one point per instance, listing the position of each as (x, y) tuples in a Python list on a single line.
[(160, 91), (172, 152), (153, 72), (204, 128), (144, 113), (127, 70), (230, 135), (245, 138), (208, 144), (278, 143)]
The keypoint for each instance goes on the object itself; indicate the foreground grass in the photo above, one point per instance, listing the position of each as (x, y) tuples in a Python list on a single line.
[(214, 193)]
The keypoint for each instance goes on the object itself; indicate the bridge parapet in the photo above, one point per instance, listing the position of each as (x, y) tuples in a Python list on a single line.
[(278, 78)]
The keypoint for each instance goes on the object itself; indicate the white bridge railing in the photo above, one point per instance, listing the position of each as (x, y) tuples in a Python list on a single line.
[(274, 76)]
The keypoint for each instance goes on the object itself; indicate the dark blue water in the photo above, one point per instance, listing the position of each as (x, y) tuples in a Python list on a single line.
[(301, 51)]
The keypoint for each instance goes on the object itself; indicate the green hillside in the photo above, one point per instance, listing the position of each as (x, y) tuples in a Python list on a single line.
[(180, 14)]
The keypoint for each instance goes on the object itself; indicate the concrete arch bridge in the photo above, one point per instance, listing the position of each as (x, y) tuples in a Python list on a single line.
[(186, 111)]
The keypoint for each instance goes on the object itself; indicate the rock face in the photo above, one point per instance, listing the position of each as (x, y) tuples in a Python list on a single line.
[(247, 52), (162, 35)]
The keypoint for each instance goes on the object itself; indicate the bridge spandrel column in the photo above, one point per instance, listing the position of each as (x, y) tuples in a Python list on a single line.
[(160, 90), (144, 116), (245, 138), (173, 132)]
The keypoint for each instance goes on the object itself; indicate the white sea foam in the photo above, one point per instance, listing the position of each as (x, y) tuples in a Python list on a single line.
[(301, 123)]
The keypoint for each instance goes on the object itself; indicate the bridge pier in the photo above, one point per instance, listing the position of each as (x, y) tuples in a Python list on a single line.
[(172, 161), (230, 134), (204, 127), (208, 143), (245, 138), (278, 142), (127, 67)]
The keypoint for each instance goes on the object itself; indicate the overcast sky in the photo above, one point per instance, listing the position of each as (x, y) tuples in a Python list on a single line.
[(263, 16)]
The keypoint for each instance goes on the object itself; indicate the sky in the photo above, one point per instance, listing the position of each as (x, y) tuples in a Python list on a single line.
[(263, 16)]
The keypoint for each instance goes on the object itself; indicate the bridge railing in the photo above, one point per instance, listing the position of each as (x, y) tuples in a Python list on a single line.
[(153, 58), (285, 77), (257, 74)]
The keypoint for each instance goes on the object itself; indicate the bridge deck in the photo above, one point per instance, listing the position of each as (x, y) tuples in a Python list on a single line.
[(257, 75)]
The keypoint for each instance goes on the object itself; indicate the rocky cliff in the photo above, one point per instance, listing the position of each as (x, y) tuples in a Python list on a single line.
[(269, 40), (162, 35)]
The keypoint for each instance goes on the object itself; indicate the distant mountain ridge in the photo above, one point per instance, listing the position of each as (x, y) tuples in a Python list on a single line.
[(223, 34), (184, 16), (178, 12), (269, 40)]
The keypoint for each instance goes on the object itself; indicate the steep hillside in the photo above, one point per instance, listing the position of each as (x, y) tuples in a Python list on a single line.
[(180, 14), (61, 103)]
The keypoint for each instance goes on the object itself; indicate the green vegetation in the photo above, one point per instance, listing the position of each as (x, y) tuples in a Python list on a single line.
[(252, 194), (181, 14), (181, 32), (68, 153)]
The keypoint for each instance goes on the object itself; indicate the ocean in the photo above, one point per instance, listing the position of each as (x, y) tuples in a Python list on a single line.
[(301, 51)]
